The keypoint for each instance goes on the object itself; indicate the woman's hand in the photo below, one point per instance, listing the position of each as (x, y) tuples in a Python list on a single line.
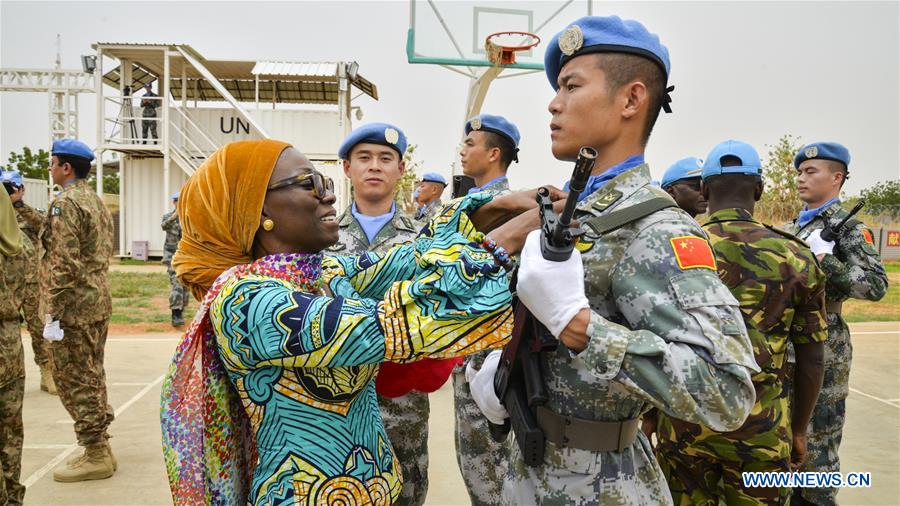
[(511, 235)]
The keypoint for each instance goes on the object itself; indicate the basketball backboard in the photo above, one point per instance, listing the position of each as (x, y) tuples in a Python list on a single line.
[(453, 32)]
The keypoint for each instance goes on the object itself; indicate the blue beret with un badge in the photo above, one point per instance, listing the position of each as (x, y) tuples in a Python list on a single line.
[(750, 163), (686, 168), (72, 147), (374, 133), (434, 177), (12, 177), (498, 125), (605, 34), (823, 151)]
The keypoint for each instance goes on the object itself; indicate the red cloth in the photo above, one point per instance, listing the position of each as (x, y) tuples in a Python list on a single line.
[(426, 375)]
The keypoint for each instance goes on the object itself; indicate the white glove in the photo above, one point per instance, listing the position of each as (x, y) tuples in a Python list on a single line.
[(819, 245), (52, 331), (481, 384), (552, 291)]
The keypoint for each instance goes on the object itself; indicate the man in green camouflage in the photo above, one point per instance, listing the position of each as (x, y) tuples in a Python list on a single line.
[(853, 270), (178, 294), (31, 221), (640, 313), (781, 289), (78, 242), (13, 274)]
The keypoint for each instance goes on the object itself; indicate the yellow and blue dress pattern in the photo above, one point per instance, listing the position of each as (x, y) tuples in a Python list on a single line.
[(303, 362)]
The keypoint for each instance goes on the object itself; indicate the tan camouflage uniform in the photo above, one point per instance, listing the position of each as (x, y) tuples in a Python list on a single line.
[(781, 289), (660, 335), (77, 245), (13, 275), (853, 271), (31, 221), (405, 417), (482, 461)]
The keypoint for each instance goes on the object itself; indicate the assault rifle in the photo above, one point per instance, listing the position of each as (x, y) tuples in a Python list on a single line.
[(832, 232), (519, 382)]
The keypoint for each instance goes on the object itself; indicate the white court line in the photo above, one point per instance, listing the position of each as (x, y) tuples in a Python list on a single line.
[(142, 339), (126, 384), (45, 447), (875, 332), (879, 399), (37, 475)]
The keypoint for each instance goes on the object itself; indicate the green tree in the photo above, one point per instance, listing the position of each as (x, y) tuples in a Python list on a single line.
[(780, 201), (110, 182), (30, 164), (883, 199), (407, 184)]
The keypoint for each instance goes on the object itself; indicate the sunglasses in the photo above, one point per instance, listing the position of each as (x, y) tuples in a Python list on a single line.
[(320, 185)]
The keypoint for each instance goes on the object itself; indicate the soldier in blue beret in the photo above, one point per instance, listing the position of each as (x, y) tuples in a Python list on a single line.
[(490, 146), (682, 182), (428, 195), (629, 303), (853, 269)]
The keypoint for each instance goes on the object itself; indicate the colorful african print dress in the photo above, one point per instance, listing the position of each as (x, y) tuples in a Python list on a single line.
[(302, 363)]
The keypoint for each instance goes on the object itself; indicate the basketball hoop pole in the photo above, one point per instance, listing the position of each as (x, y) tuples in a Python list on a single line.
[(478, 88)]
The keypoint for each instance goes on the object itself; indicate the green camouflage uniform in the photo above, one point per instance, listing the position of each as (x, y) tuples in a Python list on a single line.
[(482, 461), (854, 270), (405, 417), (78, 241), (426, 212), (178, 294), (663, 333), (31, 221), (781, 290), (13, 275)]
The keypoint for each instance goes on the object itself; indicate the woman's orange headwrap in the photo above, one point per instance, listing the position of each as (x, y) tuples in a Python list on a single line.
[(219, 207)]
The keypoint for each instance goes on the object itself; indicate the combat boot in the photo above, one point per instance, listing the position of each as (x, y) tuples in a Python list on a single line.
[(177, 319), (47, 383), (95, 464), (112, 456)]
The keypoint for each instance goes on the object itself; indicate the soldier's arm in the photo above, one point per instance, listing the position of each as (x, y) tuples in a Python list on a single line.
[(808, 332), (63, 254), (168, 220), (689, 354), (860, 275), (32, 217)]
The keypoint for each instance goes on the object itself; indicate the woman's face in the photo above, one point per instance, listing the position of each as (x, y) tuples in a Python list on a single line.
[(304, 221)]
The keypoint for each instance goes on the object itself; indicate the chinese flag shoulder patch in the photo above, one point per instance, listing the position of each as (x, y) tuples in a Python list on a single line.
[(693, 252), (867, 235)]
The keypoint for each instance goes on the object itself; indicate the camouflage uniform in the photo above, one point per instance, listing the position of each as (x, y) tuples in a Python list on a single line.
[(781, 289), (78, 242), (482, 461), (405, 417), (31, 221), (178, 294), (664, 332), (13, 275), (854, 270), (426, 212)]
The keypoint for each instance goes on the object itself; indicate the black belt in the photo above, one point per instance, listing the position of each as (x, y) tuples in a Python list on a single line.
[(589, 435)]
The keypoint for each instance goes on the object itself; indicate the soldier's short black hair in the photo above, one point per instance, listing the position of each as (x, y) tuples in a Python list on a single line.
[(507, 150), (81, 165), (623, 68)]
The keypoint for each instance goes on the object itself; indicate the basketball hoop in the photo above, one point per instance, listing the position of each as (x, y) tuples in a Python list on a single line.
[(501, 47)]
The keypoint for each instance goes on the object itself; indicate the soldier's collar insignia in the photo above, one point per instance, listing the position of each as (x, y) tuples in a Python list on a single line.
[(391, 135), (475, 124), (571, 40), (811, 152), (606, 200)]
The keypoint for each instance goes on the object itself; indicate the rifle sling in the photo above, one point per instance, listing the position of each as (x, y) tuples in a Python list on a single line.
[(607, 223)]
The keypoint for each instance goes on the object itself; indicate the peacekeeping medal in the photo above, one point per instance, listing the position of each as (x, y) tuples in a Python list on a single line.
[(571, 40)]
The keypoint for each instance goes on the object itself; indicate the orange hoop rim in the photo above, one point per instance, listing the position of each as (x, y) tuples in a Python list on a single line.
[(523, 47)]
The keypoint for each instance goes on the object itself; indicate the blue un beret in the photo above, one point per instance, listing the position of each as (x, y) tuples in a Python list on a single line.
[(175, 196), (496, 124), (11, 176), (72, 147), (604, 34), (686, 168), (434, 177), (750, 163), (823, 151), (374, 133)]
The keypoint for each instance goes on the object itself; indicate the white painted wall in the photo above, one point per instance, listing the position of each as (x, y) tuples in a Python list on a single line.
[(37, 193)]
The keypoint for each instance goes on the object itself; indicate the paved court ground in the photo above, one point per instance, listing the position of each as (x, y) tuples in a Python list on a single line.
[(135, 365)]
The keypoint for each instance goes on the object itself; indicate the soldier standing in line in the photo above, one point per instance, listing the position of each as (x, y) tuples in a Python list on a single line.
[(178, 295), (852, 270), (682, 182), (781, 289), (428, 196), (30, 222), (373, 161), (77, 241), (641, 315), (12, 355), (490, 146)]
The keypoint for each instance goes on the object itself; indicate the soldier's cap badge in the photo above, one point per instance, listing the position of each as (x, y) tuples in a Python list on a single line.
[(811, 152), (391, 135), (571, 40), (475, 123)]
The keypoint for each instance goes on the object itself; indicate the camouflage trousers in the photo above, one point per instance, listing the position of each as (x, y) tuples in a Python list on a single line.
[(406, 423), (483, 462), (705, 481), (178, 294), (81, 380), (31, 311), (11, 437)]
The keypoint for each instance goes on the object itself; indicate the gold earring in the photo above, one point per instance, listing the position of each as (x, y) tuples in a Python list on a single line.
[(268, 224)]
